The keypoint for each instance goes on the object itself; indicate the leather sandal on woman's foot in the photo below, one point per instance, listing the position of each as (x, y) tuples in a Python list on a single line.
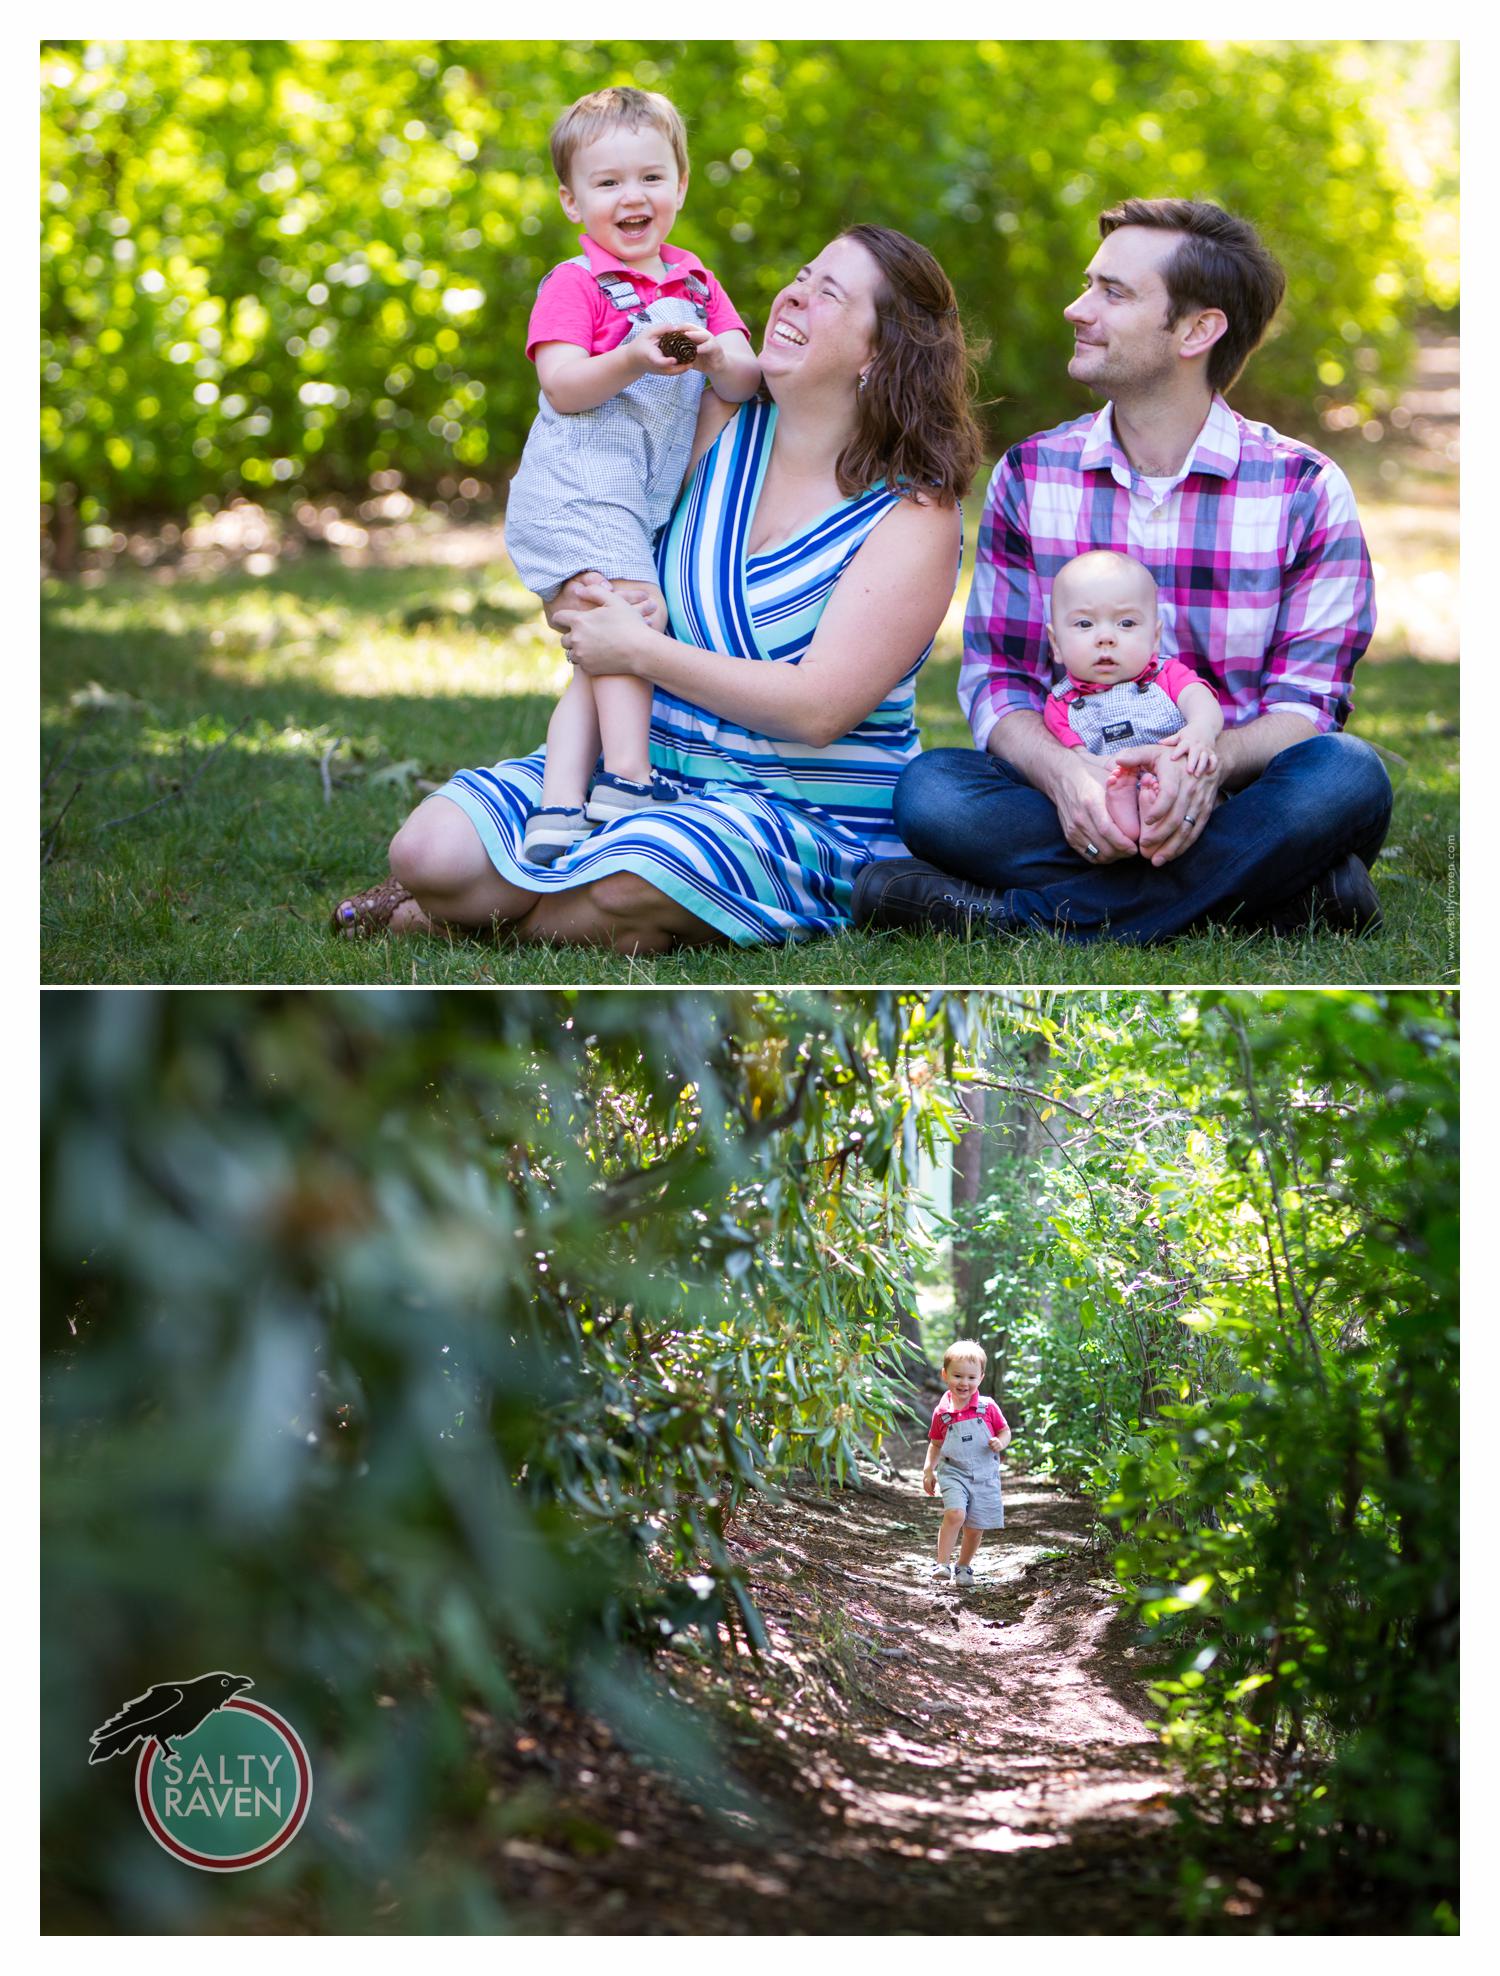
[(368, 912)]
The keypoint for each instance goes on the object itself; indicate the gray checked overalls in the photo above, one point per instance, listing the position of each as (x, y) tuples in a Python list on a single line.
[(968, 1473), (1132, 714), (594, 487)]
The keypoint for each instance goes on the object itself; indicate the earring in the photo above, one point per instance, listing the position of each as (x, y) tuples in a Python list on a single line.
[(863, 380)]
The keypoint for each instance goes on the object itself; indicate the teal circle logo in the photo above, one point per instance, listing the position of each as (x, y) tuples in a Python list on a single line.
[(231, 1794)]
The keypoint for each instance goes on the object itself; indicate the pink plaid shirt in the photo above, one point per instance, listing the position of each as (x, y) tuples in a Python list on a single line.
[(1263, 577)]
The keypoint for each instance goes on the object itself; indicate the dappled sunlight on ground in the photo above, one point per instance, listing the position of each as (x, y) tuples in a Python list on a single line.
[(948, 1736), (915, 1760)]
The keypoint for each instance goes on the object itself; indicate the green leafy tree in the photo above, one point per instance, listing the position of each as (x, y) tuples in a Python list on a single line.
[(284, 268), (412, 1350), (1233, 1313)]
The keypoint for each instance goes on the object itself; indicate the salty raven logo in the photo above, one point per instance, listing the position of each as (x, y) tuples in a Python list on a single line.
[(169, 1711)]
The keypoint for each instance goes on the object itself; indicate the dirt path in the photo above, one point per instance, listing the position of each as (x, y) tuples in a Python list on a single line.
[(995, 1747), (927, 1761)]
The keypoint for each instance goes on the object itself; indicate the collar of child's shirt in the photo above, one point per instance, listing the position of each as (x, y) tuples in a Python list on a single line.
[(680, 263), (973, 1405), (1070, 688)]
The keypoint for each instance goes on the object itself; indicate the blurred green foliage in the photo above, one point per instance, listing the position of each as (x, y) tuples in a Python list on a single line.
[(289, 267), (405, 1350), (1230, 1307)]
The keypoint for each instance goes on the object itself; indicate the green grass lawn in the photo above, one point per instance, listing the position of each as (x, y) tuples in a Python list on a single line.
[(244, 683)]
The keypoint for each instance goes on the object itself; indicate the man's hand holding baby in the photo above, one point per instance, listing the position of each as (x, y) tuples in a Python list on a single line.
[(1077, 782), (1175, 813)]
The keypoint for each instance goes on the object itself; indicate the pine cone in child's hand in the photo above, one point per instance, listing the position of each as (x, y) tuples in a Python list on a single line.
[(678, 346)]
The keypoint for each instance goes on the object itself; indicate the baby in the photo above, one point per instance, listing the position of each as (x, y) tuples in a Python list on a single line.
[(623, 337), (1117, 694), (964, 1445)]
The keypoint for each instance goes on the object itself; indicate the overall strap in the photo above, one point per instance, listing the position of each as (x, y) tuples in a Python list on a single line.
[(698, 295), (623, 294)]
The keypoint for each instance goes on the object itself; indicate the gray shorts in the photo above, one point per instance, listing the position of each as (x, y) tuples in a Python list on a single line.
[(977, 1496)]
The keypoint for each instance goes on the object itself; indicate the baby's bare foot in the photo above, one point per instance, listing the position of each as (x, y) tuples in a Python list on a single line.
[(1122, 800)]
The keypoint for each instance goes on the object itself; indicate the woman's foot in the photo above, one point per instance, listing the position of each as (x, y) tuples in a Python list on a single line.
[(370, 912)]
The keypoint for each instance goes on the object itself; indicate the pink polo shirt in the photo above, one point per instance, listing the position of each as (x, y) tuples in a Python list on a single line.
[(978, 1408), (1171, 675), (571, 307)]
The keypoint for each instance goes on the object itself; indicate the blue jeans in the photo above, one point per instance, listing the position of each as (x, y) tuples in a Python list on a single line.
[(980, 819)]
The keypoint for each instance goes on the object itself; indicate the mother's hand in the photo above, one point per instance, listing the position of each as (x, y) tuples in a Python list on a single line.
[(589, 589), (579, 593), (603, 632)]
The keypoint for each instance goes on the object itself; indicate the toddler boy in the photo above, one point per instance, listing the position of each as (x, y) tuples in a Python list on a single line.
[(964, 1445), (623, 336)]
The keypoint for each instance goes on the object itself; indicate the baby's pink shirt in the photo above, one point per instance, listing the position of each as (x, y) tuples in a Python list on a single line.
[(1171, 676), (978, 1408), (571, 307)]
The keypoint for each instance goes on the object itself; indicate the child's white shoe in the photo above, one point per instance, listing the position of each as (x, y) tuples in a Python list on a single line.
[(964, 1575), (941, 1573), (612, 796), (551, 833)]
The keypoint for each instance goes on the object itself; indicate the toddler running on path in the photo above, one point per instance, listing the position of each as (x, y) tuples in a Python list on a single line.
[(964, 1445)]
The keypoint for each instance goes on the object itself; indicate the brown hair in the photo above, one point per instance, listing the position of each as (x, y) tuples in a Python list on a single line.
[(916, 432), (636, 109), (1220, 263)]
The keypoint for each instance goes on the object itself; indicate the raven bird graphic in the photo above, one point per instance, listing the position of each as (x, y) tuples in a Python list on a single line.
[(169, 1711)]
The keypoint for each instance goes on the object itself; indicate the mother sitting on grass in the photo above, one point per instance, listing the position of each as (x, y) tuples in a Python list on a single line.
[(806, 569)]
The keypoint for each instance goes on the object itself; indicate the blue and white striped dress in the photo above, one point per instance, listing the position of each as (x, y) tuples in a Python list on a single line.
[(769, 834)]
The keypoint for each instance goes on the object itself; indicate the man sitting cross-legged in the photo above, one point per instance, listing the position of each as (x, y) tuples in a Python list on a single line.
[(1264, 591)]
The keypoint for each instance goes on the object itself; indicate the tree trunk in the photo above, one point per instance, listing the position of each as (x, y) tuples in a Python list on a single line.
[(1008, 1133), (968, 1186)]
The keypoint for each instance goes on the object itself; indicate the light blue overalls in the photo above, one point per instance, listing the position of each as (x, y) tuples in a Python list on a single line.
[(594, 487), (968, 1474)]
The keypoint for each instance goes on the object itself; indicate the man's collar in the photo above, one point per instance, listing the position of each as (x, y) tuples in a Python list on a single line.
[(679, 262), (1216, 450)]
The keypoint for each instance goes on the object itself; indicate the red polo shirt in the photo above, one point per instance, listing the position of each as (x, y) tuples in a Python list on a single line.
[(946, 1415), (571, 307)]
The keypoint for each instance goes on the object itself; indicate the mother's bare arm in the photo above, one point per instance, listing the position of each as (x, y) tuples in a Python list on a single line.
[(885, 609)]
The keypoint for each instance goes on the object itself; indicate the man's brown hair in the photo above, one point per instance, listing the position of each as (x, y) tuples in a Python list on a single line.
[(636, 109), (1220, 263), (917, 433)]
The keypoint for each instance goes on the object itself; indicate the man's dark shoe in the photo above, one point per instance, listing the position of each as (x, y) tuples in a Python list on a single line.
[(892, 893), (1341, 900)]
